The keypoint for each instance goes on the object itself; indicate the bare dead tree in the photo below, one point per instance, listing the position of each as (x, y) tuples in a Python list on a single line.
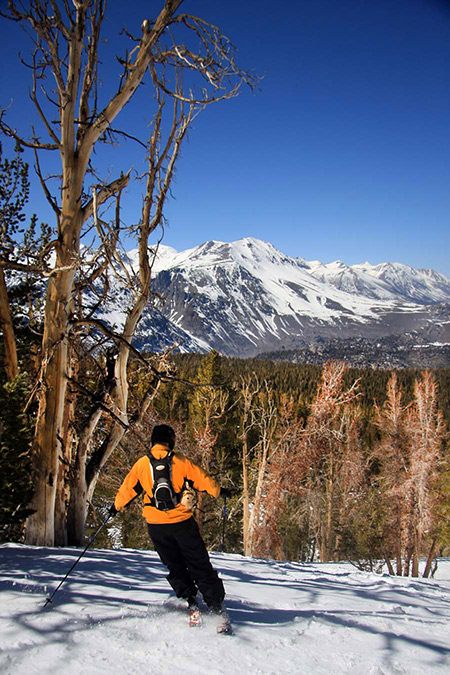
[(265, 419), (292, 462), (248, 391), (66, 39), (392, 452)]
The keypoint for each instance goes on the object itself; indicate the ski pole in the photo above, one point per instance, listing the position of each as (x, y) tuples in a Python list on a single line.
[(48, 601), (224, 513)]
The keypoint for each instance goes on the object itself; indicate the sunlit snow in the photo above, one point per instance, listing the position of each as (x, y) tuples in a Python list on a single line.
[(114, 615)]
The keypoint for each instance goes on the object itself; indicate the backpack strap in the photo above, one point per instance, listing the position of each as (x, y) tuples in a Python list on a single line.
[(161, 470), (161, 467)]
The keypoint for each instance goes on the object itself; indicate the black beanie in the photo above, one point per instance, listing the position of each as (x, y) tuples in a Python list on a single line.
[(162, 433)]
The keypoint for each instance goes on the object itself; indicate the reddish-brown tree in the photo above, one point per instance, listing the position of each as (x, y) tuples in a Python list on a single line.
[(409, 454), (392, 454), (279, 483), (426, 431), (327, 443), (321, 464)]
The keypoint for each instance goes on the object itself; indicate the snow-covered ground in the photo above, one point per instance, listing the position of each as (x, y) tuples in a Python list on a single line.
[(114, 615)]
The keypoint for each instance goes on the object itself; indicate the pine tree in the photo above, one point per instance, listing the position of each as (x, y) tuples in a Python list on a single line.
[(443, 508), (22, 259), (14, 192), (16, 429), (209, 405)]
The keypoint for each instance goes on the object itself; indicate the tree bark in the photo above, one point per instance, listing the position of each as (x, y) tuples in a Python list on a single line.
[(247, 399), (47, 446), (389, 564), (407, 562), (245, 497), (11, 362), (430, 558), (416, 554)]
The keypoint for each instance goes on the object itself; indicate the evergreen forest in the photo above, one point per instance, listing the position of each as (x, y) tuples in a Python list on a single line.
[(324, 463)]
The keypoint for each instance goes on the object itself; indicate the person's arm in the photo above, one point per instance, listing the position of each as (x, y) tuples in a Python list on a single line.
[(130, 488), (201, 480)]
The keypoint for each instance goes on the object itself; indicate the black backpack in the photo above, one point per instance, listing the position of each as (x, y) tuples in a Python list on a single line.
[(164, 496)]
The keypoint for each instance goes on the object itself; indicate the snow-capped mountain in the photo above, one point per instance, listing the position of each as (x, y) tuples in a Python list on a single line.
[(246, 297), (385, 281)]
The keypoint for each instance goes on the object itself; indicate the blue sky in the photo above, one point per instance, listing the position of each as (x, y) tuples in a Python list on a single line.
[(343, 154)]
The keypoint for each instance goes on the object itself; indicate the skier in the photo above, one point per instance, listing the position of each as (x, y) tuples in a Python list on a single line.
[(166, 479)]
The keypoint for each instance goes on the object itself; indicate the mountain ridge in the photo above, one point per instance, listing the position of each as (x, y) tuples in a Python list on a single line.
[(246, 297)]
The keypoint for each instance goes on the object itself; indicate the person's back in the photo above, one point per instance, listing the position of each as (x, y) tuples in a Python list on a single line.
[(140, 481)]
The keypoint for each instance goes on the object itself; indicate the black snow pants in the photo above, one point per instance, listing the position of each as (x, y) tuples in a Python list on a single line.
[(183, 551)]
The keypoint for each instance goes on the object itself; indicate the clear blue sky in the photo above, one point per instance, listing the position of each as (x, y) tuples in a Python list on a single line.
[(345, 151)]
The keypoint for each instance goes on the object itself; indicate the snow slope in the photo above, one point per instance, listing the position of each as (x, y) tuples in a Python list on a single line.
[(386, 282), (113, 615)]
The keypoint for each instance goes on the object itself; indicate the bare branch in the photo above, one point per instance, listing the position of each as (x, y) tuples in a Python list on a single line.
[(135, 74), (34, 98), (90, 71), (51, 200), (113, 258), (105, 192), (116, 337), (125, 135), (34, 144), (100, 404), (191, 99), (21, 267)]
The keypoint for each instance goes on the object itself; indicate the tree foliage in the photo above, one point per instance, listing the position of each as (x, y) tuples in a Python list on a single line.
[(319, 468), (16, 486)]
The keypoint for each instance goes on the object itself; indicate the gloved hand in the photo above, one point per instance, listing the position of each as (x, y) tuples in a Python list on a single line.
[(225, 492), (112, 510)]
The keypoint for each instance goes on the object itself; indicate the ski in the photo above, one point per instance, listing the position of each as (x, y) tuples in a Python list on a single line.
[(221, 620), (223, 626), (195, 617)]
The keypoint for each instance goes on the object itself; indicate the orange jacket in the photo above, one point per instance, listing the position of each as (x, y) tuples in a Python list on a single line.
[(139, 480)]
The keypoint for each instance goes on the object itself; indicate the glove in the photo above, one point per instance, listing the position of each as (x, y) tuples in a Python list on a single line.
[(189, 498), (112, 510), (225, 492)]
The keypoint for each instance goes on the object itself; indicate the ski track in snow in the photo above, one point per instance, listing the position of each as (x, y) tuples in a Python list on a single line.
[(114, 614)]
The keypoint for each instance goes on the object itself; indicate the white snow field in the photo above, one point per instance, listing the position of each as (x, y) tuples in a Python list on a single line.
[(114, 615)]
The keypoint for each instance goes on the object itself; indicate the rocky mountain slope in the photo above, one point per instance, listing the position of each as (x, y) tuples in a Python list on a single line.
[(246, 297)]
